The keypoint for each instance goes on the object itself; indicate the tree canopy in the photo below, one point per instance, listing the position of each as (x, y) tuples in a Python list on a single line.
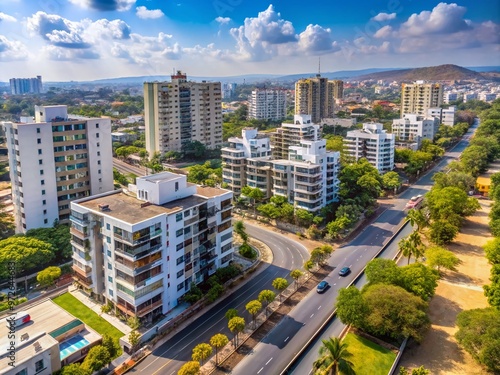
[(26, 253)]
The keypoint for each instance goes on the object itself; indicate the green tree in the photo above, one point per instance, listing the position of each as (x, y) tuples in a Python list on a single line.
[(334, 358), (133, 322), (239, 229), (351, 307), (416, 371), (391, 180), (255, 194), (442, 232), (189, 368), (296, 275), (411, 246), (58, 236), (266, 297), (74, 369), (492, 250), (111, 345), (280, 284), (309, 265), (253, 307), (218, 341), (450, 200), (25, 252), (48, 276), (304, 218), (475, 159), (419, 280), (382, 271), (7, 226), (231, 313), (134, 338), (236, 325), (465, 181), (478, 333), (201, 353), (97, 358), (437, 257), (417, 218), (492, 291)]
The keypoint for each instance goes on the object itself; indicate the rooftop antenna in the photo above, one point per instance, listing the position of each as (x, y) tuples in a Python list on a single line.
[(319, 67)]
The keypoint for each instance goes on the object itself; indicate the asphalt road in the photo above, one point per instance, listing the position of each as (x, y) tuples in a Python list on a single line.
[(280, 346), (170, 356)]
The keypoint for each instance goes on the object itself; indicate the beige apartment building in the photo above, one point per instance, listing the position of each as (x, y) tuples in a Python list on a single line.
[(315, 97), (418, 97), (303, 128), (182, 111)]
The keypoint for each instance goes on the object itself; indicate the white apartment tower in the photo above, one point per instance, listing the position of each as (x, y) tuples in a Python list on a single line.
[(315, 97), (374, 144), (267, 104), (54, 161), (181, 111), (303, 128), (142, 248), (445, 116), (418, 97), (414, 127), (252, 149)]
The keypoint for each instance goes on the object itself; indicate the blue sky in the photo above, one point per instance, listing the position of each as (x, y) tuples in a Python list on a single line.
[(91, 39)]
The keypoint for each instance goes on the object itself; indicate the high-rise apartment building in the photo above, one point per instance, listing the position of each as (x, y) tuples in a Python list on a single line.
[(374, 144), (418, 97), (445, 116), (182, 111), (54, 161), (314, 96), (303, 128), (414, 127), (338, 89), (267, 104), (19, 86), (228, 90), (142, 248)]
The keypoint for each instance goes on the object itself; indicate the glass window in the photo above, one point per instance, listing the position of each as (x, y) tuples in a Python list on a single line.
[(43, 193), (179, 232), (110, 267), (180, 286), (110, 292), (108, 226), (180, 273), (110, 279), (39, 365), (38, 130), (39, 151), (39, 140), (40, 161)]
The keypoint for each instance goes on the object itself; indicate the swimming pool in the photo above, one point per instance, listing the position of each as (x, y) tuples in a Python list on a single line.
[(68, 347)]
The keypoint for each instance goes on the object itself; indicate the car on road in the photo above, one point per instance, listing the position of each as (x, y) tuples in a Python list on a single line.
[(322, 286), (344, 271), (415, 201)]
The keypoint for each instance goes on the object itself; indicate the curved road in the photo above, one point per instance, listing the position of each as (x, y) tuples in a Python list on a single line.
[(170, 356), (280, 346)]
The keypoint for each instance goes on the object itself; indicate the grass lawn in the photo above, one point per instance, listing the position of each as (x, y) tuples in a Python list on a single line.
[(88, 316), (368, 358)]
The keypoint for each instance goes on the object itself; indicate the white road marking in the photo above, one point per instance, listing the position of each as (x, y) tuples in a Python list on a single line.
[(336, 283), (311, 315), (269, 361), (258, 372), (319, 307), (287, 338)]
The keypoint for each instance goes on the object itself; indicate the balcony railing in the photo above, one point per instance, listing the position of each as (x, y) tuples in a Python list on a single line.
[(149, 308)]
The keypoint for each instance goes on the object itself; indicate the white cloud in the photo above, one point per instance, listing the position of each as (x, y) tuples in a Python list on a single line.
[(145, 13), (172, 53), (11, 50), (384, 32), (65, 54), (223, 20), (269, 27), (443, 19), (384, 17), (105, 5), (317, 39), (6, 17)]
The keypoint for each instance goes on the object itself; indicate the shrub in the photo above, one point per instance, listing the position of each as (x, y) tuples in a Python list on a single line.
[(247, 251)]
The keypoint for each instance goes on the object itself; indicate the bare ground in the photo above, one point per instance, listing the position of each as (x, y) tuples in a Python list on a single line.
[(457, 291)]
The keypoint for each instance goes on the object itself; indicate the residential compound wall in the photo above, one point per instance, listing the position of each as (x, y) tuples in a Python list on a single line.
[(181, 111), (55, 160), (308, 176), (142, 248), (315, 97), (373, 143), (418, 97), (267, 104)]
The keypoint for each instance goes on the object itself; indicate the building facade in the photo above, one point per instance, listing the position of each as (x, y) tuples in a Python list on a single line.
[(445, 116), (418, 97), (374, 144), (54, 161), (414, 128), (314, 97), (267, 104), (303, 128), (141, 249), (182, 111), (338, 89), (20, 86)]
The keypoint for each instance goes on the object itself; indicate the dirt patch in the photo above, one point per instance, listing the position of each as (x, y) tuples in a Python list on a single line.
[(272, 321), (456, 291)]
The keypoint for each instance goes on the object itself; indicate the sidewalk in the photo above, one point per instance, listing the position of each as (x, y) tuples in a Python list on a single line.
[(97, 308)]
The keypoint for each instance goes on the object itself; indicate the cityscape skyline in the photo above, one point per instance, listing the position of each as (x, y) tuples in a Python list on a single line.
[(95, 39)]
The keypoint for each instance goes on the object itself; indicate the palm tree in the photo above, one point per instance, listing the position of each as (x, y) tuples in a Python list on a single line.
[(334, 358), (418, 218), (411, 246)]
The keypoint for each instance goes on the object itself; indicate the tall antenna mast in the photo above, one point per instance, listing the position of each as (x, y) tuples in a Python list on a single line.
[(319, 67)]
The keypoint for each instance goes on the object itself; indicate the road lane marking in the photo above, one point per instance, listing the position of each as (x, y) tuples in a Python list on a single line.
[(258, 372), (269, 361), (336, 283), (287, 338), (311, 315), (319, 307)]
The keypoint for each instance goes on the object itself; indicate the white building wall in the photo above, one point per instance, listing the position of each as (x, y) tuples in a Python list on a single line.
[(100, 151)]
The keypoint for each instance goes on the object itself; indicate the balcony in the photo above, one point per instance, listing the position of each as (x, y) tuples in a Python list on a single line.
[(85, 281), (82, 272), (78, 234), (147, 309)]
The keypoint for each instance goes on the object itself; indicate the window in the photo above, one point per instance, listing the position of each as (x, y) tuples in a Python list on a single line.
[(98, 162), (100, 180), (39, 140), (176, 186), (179, 233), (45, 221), (98, 144), (108, 226), (39, 365), (23, 371), (44, 202), (97, 135), (99, 171), (45, 212), (110, 279), (178, 217), (180, 259), (110, 292), (180, 286), (108, 252), (98, 153), (38, 130), (42, 182), (40, 161), (41, 171), (180, 246), (39, 151), (97, 126), (108, 239), (43, 193), (180, 273), (110, 267)]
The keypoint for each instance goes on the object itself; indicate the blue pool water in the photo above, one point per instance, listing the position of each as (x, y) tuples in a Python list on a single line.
[(71, 345)]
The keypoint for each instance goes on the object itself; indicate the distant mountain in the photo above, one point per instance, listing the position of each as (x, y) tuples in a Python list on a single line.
[(248, 78), (446, 72), (334, 75)]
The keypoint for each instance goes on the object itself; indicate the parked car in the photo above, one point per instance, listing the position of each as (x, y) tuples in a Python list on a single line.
[(344, 271), (322, 286)]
